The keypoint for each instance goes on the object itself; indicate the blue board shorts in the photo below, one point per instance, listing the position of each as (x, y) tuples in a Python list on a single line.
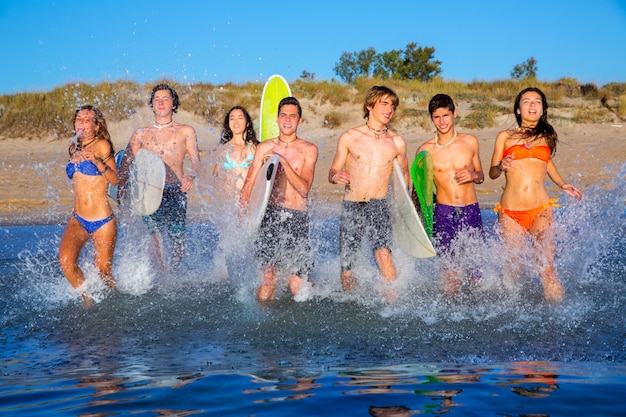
[(171, 214)]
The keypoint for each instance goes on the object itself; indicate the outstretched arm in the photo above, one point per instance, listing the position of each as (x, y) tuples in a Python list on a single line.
[(568, 189)]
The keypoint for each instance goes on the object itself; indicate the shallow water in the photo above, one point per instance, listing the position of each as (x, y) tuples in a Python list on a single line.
[(198, 342)]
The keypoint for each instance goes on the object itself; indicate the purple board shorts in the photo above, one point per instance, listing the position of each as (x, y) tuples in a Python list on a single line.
[(449, 221)]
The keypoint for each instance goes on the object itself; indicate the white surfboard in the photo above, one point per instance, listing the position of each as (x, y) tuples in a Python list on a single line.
[(406, 225), (260, 194), (146, 181)]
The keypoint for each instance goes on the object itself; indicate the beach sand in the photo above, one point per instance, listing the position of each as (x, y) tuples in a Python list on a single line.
[(35, 190)]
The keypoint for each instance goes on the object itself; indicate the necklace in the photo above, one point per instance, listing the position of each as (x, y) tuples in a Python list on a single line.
[(287, 142), (77, 145), (377, 133), (82, 145), (447, 144), (163, 126)]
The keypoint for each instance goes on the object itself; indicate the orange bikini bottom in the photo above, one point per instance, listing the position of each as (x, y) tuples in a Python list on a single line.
[(526, 218)]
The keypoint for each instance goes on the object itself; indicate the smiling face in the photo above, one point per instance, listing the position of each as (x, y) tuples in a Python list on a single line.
[(162, 102), (237, 122), (382, 111), (85, 124), (443, 119), (288, 119)]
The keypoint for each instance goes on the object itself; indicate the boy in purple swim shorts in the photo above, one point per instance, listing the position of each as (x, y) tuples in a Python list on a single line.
[(457, 169), (449, 221)]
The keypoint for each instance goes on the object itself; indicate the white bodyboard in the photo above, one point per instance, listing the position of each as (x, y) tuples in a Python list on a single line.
[(146, 181), (407, 227), (260, 194)]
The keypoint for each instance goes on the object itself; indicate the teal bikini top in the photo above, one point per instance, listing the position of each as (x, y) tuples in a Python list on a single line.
[(230, 164)]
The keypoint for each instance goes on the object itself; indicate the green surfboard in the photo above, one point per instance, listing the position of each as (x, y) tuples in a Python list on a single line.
[(424, 184), (276, 89)]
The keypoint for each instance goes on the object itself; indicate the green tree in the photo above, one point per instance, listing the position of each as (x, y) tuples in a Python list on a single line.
[(307, 76), (354, 64), (527, 69), (412, 63)]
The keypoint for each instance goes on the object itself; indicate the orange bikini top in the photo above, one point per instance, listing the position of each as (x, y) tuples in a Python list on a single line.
[(524, 151)]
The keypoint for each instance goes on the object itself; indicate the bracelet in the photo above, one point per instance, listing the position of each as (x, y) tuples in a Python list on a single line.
[(332, 179)]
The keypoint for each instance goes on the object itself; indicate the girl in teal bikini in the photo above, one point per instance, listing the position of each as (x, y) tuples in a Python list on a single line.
[(232, 157), (236, 151), (91, 168)]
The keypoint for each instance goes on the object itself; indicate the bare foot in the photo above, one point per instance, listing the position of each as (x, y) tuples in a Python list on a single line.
[(87, 301), (348, 282), (451, 284), (552, 290), (266, 293), (390, 295)]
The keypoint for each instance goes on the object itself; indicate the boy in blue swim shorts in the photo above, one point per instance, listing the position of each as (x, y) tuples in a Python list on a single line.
[(172, 142)]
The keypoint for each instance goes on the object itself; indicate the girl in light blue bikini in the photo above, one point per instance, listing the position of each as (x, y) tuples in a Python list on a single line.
[(91, 168), (232, 158), (235, 151)]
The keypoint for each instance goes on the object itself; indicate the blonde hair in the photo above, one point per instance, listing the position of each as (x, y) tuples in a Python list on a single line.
[(377, 93)]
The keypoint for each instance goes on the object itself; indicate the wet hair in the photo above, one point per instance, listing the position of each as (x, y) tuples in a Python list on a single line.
[(440, 101), (377, 93), (101, 133), (175, 99), (543, 128), (290, 101), (249, 135)]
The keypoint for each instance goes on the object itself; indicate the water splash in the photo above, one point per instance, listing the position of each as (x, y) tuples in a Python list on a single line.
[(209, 307)]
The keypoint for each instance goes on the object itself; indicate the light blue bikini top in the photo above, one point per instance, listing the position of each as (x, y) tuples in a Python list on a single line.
[(230, 164), (84, 167)]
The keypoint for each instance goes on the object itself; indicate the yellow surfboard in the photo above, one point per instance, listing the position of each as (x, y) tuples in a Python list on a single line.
[(276, 89)]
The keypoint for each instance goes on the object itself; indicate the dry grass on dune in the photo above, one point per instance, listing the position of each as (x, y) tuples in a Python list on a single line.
[(35, 127)]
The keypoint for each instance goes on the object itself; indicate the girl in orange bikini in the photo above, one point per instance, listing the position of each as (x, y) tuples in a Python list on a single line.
[(524, 155)]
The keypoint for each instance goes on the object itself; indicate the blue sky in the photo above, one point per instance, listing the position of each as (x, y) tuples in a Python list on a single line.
[(48, 43)]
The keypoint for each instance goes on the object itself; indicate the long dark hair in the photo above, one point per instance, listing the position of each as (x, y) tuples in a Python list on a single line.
[(543, 128), (101, 133), (249, 135)]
